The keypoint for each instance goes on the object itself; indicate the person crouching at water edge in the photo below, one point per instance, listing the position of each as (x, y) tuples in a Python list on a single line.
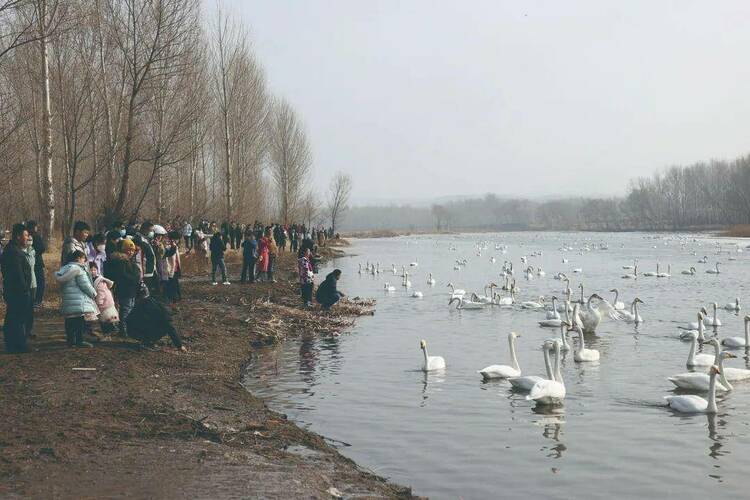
[(78, 294), (306, 276), (327, 294)]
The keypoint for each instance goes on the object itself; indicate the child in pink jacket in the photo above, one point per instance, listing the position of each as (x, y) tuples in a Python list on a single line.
[(108, 316)]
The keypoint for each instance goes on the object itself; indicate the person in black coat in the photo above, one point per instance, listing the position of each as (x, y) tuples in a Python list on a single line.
[(121, 269), (40, 247), (17, 291), (150, 321), (218, 246), (327, 294)]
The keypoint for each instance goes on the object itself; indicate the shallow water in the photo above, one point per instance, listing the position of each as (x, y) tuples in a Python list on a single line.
[(450, 435)]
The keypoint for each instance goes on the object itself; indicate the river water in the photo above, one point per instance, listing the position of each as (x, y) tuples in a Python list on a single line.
[(451, 435)]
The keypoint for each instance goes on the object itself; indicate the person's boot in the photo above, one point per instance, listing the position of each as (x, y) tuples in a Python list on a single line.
[(79, 340)]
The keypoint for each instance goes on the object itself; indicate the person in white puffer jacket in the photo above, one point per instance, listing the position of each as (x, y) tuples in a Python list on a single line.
[(78, 294)]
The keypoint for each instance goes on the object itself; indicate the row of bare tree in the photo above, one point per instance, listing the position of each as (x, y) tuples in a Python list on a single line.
[(124, 109)]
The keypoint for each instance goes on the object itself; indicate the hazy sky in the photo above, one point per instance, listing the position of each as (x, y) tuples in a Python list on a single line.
[(418, 99)]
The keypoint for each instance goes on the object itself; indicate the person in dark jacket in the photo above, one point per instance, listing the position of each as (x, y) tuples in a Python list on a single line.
[(17, 291), (121, 269), (218, 246), (150, 321), (327, 294), (40, 247), (249, 256), (77, 242)]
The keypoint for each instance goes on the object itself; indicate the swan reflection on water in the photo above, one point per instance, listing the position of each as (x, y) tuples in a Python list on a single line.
[(551, 420), (431, 377)]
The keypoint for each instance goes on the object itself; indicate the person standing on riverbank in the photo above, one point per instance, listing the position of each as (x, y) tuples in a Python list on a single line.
[(263, 251), (40, 248), (306, 276), (273, 252), (78, 297), (122, 270), (217, 247), (16, 291), (76, 242), (249, 256)]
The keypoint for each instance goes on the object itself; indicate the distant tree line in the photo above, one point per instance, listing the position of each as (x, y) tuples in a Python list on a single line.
[(699, 196)]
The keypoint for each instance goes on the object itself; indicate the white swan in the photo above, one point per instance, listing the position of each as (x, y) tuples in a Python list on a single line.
[(635, 263), (699, 330), (739, 341), (564, 345), (652, 273), (733, 307), (504, 301), (715, 270), (530, 304), (632, 316), (456, 292), (553, 314), (704, 260), (582, 354), (406, 283), (617, 304), (700, 359), (389, 288), (699, 381), (466, 304), (691, 403), (431, 362), (527, 382), (431, 281), (712, 320), (540, 272), (504, 371), (667, 274), (590, 316), (631, 276), (690, 272), (417, 294), (550, 392), (485, 299)]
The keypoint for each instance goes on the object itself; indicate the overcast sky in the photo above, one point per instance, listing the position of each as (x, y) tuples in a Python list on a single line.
[(420, 99)]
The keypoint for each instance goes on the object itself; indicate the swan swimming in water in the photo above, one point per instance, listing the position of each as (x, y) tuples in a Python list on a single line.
[(431, 280), (389, 288), (582, 354), (530, 304), (667, 274), (739, 341), (699, 330), (431, 362), (527, 382), (712, 320), (633, 316), (631, 276), (456, 292), (733, 307), (690, 272), (700, 359), (715, 270), (691, 403), (417, 295), (652, 273), (699, 381), (550, 392), (617, 304), (466, 304), (504, 371)]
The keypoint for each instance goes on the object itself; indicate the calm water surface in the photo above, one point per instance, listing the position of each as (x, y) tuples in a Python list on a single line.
[(450, 435)]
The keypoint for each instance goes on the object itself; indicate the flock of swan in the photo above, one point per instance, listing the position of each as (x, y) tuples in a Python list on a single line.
[(582, 316)]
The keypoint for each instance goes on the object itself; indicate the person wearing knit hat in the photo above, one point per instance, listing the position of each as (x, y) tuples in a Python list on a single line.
[(121, 269)]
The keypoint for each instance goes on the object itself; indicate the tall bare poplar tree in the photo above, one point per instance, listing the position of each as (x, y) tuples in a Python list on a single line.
[(339, 192), (290, 158)]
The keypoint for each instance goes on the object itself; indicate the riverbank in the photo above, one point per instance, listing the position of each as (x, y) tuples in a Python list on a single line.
[(165, 424)]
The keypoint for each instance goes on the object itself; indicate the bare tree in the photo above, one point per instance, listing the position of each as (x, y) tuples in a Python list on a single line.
[(310, 209), (290, 158), (339, 192)]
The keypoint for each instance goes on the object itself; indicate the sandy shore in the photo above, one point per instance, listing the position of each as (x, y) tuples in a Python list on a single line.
[(166, 424)]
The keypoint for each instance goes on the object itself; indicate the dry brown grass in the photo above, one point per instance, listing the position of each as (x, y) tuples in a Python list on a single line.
[(737, 231)]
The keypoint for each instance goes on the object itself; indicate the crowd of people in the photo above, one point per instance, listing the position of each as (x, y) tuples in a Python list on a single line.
[(123, 278)]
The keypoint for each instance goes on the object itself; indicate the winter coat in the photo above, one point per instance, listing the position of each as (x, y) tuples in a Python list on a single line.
[(40, 247), (70, 245), (145, 258), (31, 257), (149, 321), (218, 247), (305, 268), (76, 291), (105, 302), (327, 292), (249, 249), (273, 249), (16, 273), (125, 275), (263, 253), (99, 259), (174, 264)]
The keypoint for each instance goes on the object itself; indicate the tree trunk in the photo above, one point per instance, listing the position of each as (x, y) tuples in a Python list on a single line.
[(48, 192)]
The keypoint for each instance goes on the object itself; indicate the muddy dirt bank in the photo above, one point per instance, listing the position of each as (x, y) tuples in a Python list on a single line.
[(165, 424)]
